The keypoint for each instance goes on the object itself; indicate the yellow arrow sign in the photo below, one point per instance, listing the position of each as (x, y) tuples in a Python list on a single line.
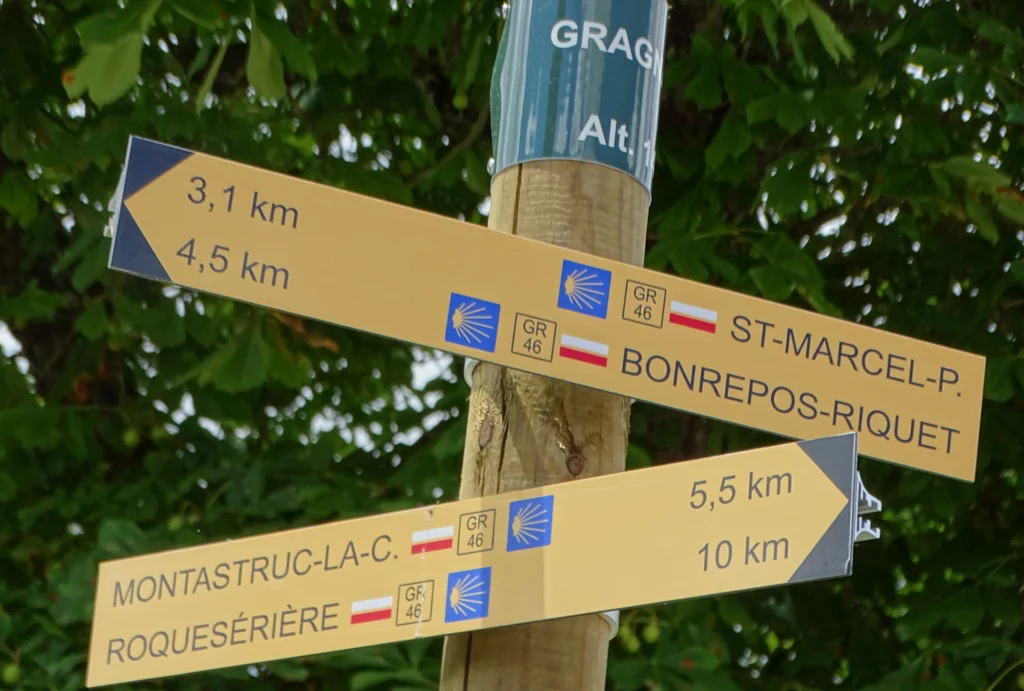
[(747, 520), (268, 239)]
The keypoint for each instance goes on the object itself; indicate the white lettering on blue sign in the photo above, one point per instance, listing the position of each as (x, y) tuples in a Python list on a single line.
[(616, 137), (566, 34)]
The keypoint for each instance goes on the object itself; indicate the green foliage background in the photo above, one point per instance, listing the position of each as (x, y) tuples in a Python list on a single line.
[(861, 158)]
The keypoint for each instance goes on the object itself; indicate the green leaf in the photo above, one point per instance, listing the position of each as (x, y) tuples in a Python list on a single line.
[(165, 328), (113, 52), (1015, 114), (831, 38), (8, 490), (288, 370), (712, 681), (934, 60), (431, 112), (743, 83), (798, 51), (76, 79), (628, 672), (819, 303), (202, 12), (14, 389), (795, 12), (789, 109), (92, 323), (79, 433), (211, 74), (981, 216), (941, 181), (774, 284), (997, 32), (724, 268), (288, 670), (789, 188), (91, 269), (201, 59), (918, 622), (790, 115), (1010, 206), (965, 610), (200, 328), (472, 64), (31, 425), (894, 38), (159, 322), (233, 673), (243, 366), (763, 109), (706, 88), (769, 21), (732, 140), (14, 141), (733, 612), (700, 657), (31, 305), (291, 49), (74, 593), (264, 68), (977, 174), (110, 69), (999, 379), (110, 26), (367, 679), (254, 482), (687, 262), (119, 537), (18, 196)]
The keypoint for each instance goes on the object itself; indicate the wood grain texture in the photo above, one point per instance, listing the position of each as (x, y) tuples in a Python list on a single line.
[(524, 430)]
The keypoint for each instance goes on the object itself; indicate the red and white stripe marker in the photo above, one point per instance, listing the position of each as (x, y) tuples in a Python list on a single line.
[(377, 609), (693, 317), (433, 540), (582, 350)]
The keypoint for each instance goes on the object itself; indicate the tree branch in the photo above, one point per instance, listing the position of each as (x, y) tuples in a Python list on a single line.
[(474, 133)]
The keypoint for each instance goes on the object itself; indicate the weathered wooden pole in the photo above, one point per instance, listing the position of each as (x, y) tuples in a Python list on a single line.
[(574, 112)]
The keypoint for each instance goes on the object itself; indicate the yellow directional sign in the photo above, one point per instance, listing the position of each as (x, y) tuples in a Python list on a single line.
[(268, 239), (754, 519)]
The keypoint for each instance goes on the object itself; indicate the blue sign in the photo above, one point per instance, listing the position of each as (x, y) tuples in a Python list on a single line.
[(529, 523), (580, 80), (584, 289), (472, 323), (468, 595)]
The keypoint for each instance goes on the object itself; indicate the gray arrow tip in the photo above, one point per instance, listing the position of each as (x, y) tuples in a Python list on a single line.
[(833, 555), (837, 458)]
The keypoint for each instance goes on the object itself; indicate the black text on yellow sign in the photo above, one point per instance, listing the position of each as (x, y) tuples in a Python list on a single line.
[(754, 519), (268, 239)]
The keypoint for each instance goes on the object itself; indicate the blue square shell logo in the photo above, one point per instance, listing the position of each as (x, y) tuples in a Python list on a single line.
[(472, 323), (529, 523), (468, 595), (584, 289)]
